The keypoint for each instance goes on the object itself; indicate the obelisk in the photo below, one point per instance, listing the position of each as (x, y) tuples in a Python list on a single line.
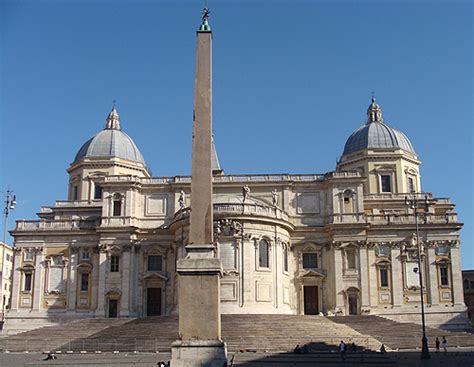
[(199, 273)]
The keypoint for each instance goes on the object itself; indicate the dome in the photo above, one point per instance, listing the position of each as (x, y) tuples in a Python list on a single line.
[(375, 134), (111, 142)]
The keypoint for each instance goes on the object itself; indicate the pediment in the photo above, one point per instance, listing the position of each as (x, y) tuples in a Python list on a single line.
[(312, 273), (155, 276)]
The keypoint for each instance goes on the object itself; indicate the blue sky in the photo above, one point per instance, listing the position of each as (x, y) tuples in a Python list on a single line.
[(292, 80)]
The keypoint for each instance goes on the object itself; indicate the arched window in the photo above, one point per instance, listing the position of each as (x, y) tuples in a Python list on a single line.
[(263, 254)]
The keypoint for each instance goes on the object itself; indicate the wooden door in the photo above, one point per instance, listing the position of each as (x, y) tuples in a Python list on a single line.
[(113, 308), (311, 306), (353, 307), (153, 301)]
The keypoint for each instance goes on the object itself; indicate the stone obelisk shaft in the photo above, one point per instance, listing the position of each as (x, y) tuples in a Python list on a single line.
[(201, 229)]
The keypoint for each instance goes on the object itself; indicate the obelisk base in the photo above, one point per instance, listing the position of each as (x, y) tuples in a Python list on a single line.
[(198, 353), (200, 343)]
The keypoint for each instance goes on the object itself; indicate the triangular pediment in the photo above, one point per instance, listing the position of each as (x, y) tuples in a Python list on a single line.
[(312, 273), (155, 276)]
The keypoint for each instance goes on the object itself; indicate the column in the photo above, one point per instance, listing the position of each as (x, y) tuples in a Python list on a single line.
[(38, 280), (125, 298), (397, 278), (432, 278), (16, 284), (72, 280), (101, 284), (364, 277)]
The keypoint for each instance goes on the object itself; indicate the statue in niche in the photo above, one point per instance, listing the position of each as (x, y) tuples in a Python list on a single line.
[(274, 197), (245, 193), (182, 200)]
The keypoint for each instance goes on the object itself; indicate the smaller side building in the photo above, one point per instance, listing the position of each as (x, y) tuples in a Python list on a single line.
[(468, 282), (6, 266)]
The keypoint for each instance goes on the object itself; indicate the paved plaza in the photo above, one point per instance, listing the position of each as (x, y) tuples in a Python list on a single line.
[(456, 357)]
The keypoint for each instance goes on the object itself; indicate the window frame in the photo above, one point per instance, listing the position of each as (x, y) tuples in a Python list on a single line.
[(114, 264), (308, 254), (28, 274), (442, 277), (285, 259), (260, 260), (81, 287), (160, 262), (382, 183), (386, 270)]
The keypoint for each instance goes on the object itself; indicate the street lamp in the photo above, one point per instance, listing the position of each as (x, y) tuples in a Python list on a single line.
[(10, 203), (415, 204)]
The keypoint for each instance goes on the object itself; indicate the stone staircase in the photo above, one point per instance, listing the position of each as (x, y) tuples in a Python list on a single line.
[(50, 337), (258, 333), (398, 335)]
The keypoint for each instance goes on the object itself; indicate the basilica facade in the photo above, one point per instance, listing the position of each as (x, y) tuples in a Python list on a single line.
[(338, 243)]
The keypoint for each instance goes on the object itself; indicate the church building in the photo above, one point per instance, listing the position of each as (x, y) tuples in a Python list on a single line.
[(338, 243)]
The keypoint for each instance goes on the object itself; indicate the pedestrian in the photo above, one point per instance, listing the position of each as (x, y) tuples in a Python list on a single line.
[(382, 349), (437, 344), (297, 349), (353, 347), (444, 344), (342, 350), (51, 355)]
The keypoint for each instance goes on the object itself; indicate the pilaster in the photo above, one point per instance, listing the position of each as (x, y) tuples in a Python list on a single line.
[(433, 278), (101, 284), (38, 280), (397, 279), (364, 277), (373, 284), (125, 298), (72, 279), (16, 285), (457, 285)]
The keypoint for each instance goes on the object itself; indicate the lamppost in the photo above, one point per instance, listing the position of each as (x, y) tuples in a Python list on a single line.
[(10, 202), (415, 204)]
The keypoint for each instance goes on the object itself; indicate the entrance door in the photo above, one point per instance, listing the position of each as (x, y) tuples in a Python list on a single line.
[(153, 301), (311, 300), (113, 307), (353, 309)]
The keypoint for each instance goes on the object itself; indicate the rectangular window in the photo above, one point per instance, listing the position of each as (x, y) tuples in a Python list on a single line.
[(117, 208), (114, 264), (8, 257), (310, 261), (85, 254), (386, 181), (285, 259), (84, 282), (263, 254), (384, 277), (351, 259), (28, 278), (75, 192), (444, 275), (155, 263), (97, 192), (411, 184)]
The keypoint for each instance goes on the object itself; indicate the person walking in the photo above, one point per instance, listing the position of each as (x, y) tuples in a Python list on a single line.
[(342, 350), (444, 344), (437, 344)]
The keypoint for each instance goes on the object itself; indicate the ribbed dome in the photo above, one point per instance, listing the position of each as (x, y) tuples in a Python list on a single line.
[(111, 142), (376, 134)]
